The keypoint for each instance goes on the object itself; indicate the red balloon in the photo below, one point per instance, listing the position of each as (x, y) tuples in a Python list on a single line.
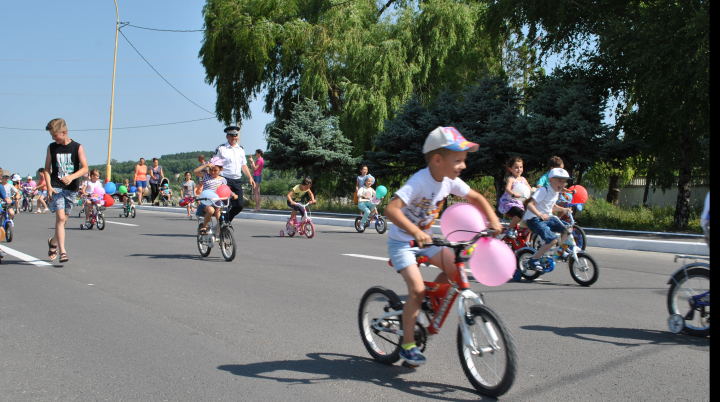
[(109, 201), (223, 191), (580, 196)]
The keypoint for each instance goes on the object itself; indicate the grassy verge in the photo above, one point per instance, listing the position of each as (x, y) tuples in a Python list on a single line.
[(600, 214)]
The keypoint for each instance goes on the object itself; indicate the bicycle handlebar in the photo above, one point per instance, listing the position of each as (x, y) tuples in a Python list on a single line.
[(455, 244)]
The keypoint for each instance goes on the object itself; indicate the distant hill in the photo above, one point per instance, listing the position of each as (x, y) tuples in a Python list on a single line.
[(172, 163)]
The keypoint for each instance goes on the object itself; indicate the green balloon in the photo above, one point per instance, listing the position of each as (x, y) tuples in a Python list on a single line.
[(123, 190), (381, 192)]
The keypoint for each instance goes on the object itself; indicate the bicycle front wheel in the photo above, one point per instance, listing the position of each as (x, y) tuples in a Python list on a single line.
[(379, 339), (309, 229), (203, 247), (585, 270), (492, 369), (381, 225), (132, 212), (100, 222), (227, 243), (9, 233), (30, 206), (685, 284)]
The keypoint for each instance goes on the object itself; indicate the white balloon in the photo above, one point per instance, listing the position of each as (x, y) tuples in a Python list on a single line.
[(522, 189)]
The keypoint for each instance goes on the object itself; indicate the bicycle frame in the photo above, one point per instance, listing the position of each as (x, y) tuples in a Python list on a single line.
[(443, 295), (568, 225)]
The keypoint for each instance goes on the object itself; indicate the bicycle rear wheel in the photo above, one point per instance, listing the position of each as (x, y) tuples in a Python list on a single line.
[(360, 228), (522, 258), (227, 243), (491, 371), (685, 284), (383, 346)]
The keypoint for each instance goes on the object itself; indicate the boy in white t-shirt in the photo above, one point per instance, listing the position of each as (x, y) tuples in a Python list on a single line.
[(537, 215), (414, 209)]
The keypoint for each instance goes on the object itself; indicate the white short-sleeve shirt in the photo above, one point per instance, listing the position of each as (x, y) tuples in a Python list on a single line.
[(423, 197), (234, 160), (545, 198)]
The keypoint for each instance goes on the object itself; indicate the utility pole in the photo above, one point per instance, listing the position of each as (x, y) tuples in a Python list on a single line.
[(108, 169)]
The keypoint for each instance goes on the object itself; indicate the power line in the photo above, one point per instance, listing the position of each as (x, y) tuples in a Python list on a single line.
[(158, 73), (114, 128), (159, 58), (245, 25)]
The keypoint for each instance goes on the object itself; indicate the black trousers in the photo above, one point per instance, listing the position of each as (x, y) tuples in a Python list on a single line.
[(154, 192), (236, 206)]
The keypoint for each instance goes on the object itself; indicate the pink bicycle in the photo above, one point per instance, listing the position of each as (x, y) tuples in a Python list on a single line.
[(304, 227)]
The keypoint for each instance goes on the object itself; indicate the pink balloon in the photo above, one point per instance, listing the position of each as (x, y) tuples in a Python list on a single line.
[(492, 262), (99, 191), (223, 191), (464, 220), (32, 184)]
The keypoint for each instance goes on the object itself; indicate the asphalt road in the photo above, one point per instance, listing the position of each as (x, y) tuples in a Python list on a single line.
[(137, 315)]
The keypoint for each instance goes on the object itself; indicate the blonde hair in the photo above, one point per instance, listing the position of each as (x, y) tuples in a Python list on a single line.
[(56, 125)]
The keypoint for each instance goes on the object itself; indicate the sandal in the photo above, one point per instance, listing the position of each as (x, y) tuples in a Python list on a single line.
[(64, 257), (203, 230), (52, 250)]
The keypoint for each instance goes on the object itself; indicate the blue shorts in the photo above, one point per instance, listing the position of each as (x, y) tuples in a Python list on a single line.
[(140, 183), (258, 179), (62, 199), (403, 256), (545, 229)]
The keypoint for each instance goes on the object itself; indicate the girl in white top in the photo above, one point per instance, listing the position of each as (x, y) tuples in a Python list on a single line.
[(89, 190), (365, 195)]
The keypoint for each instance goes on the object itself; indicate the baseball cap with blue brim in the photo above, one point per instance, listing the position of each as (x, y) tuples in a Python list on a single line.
[(450, 138), (559, 173)]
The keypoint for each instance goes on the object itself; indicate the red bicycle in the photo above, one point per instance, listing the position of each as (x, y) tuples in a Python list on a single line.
[(484, 343)]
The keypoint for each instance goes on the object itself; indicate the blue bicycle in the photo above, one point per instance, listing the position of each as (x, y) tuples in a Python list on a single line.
[(380, 223), (688, 298), (7, 223)]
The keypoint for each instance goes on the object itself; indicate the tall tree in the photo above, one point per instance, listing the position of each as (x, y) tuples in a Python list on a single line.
[(652, 55), (361, 60), (311, 143)]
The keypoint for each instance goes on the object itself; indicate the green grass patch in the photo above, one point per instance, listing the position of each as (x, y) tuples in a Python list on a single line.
[(598, 213)]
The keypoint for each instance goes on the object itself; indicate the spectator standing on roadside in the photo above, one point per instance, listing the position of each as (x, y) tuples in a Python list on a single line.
[(140, 179), (233, 168), (257, 168), (64, 164), (156, 174)]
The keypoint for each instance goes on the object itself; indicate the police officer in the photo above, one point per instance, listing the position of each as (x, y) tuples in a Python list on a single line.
[(233, 168)]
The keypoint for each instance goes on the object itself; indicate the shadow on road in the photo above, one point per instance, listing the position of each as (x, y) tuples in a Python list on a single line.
[(331, 366), (171, 256), (616, 336), (168, 235)]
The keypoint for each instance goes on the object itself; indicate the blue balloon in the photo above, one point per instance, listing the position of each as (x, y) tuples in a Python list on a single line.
[(110, 187), (209, 194), (133, 189)]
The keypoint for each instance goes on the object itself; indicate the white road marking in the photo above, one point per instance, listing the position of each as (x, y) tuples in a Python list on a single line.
[(118, 223), (25, 257), (369, 257)]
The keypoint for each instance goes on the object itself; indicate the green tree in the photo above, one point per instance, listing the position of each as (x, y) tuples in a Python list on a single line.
[(311, 143), (361, 60), (652, 55)]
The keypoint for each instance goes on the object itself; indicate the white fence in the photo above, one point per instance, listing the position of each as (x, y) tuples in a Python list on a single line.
[(632, 194)]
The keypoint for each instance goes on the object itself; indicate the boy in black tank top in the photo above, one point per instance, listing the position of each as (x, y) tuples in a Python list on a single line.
[(65, 163)]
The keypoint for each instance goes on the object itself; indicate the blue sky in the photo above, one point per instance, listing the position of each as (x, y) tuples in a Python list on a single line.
[(35, 87)]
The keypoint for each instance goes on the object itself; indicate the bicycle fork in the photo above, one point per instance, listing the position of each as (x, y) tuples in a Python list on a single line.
[(466, 319)]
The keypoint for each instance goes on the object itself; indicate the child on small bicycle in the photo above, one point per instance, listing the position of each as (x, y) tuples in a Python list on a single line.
[(10, 192), (89, 191), (188, 192), (365, 195), (413, 211), (211, 181), (296, 194), (541, 205), (509, 204)]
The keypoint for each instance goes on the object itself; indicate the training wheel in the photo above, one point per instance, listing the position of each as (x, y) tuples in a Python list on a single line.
[(282, 233), (676, 323)]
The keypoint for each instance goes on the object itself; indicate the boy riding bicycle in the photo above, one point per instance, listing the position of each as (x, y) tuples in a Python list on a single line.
[(413, 211), (540, 206)]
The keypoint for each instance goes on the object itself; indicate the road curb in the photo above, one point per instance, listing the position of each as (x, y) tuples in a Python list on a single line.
[(622, 243)]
